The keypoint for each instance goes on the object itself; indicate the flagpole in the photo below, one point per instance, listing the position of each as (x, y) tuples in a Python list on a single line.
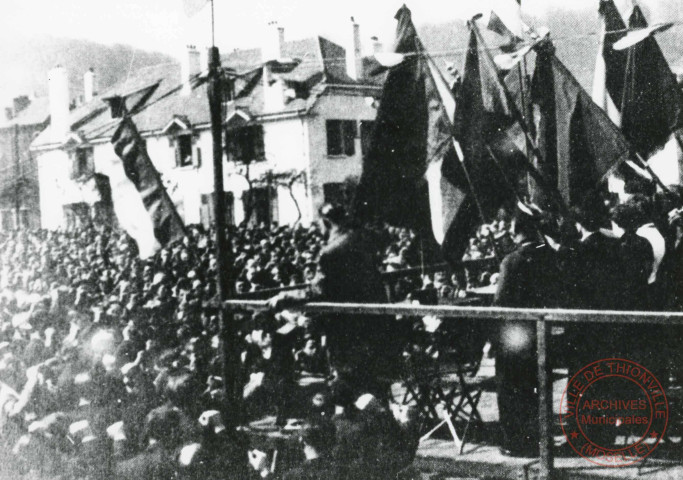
[(229, 358)]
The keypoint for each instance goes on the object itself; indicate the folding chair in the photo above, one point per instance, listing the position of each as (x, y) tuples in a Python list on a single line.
[(462, 349), (420, 377)]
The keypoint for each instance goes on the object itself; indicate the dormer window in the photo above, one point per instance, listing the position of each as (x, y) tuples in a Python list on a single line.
[(245, 144), (81, 157), (82, 163), (183, 142), (183, 150)]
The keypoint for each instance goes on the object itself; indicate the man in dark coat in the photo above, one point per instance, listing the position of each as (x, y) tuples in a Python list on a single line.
[(363, 346), (597, 284), (529, 278)]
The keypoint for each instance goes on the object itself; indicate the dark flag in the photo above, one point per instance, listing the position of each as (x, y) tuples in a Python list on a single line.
[(580, 145), (651, 109), (485, 118), (412, 175), (159, 223), (412, 141)]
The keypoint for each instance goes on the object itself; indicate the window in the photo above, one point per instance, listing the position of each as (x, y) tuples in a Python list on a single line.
[(341, 137), (245, 144), (366, 130), (183, 150), (207, 208), (82, 163), (260, 204)]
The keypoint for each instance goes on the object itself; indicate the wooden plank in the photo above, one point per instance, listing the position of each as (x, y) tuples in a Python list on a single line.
[(484, 313)]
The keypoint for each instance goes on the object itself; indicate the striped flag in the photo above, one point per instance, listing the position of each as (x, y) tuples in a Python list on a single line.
[(141, 202), (416, 174), (610, 64), (506, 21), (402, 182), (192, 7), (580, 144)]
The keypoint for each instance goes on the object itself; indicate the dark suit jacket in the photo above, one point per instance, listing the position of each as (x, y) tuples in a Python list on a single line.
[(348, 271), (529, 278), (600, 270)]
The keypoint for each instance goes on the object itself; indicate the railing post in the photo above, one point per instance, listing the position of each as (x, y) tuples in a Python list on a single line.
[(545, 401)]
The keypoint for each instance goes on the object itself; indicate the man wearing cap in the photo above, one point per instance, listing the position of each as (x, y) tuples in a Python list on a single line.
[(529, 278)]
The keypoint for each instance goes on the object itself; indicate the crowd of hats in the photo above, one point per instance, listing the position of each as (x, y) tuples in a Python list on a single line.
[(109, 362)]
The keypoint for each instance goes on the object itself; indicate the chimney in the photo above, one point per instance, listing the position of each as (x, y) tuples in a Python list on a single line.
[(20, 103), (58, 91), (354, 60), (377, 46), (273, 91), (273, 41), (89, 85), (190, 66)]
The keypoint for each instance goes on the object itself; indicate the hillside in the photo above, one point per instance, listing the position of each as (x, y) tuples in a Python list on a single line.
[(574, 33), (30, 59)]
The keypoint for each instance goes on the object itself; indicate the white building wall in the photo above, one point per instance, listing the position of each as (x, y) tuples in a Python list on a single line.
[(326, 169), (53, 176), (285, 151), (291, 145)]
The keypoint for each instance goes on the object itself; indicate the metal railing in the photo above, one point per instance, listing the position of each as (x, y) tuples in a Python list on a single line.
[(540, 316)]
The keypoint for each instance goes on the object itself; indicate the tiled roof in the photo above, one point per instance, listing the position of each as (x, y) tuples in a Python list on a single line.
[(37, 112), (313, 60)]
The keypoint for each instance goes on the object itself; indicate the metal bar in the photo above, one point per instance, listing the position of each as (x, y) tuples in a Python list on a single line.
[(489, 313), (545, 402)]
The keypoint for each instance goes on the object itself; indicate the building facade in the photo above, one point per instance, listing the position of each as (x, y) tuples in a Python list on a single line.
[(19, 186), (296, 127)]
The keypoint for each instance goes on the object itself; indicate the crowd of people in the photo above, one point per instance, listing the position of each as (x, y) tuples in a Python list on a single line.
[(607, 254), (109, 364)]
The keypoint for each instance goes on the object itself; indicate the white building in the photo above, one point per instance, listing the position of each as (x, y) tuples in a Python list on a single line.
[(296, 130)]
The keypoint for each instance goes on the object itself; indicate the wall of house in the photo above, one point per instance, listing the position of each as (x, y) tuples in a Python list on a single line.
[(285, 152), (28, 194), (292, 146), (326, 169), (55, 187)]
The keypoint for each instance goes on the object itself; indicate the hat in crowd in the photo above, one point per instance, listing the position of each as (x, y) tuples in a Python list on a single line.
[(212, 420)]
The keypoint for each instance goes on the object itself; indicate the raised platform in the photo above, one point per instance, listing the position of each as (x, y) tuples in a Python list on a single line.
[(486, 462)]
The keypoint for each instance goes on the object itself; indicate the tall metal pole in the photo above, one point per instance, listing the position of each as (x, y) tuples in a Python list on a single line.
[(223, 251)]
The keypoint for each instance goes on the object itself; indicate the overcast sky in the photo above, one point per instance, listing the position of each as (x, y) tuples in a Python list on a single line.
[(162, 25)]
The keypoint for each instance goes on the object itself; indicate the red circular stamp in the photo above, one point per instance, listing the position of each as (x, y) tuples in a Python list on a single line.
[(614, 412)]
